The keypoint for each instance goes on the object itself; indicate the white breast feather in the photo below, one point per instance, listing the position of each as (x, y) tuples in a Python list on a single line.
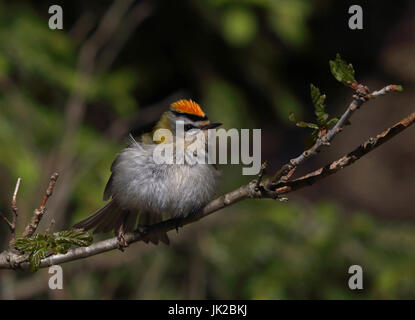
[(172, 190)]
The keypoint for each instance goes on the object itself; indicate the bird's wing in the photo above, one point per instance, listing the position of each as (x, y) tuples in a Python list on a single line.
[(107, 190)]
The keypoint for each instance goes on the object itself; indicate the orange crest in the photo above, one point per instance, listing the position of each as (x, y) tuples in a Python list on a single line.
[(187, 106)]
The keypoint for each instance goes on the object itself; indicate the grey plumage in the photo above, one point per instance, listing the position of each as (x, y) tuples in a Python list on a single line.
[(140, 186)]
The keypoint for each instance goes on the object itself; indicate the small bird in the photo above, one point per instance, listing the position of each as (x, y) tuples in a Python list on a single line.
[(140, 186)]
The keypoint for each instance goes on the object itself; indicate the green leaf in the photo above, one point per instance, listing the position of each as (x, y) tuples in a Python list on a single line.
[(73, 237), (291, 117), (342, 71), (399, 88), (317, 97), (311, 139), (319, 106), (31, 244), (40, 245), (36, 256), (332, 121), (303, 124), (25, 244)]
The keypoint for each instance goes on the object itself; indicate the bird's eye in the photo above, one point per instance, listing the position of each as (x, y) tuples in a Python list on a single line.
[(188, 127)]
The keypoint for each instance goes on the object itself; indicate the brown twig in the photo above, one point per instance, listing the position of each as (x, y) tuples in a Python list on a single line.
[(360, 96), (39, 212), (12, 224), (15, 212), (48, 229), (260, 176), (346, 160), (131, 21), (9, 224)]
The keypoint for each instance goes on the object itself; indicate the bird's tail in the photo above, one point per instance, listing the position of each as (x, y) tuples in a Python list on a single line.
[(112, 216), (148, 219), (109, 217)]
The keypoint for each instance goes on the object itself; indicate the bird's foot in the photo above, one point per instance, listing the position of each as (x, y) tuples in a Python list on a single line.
[(178, 224), (142, 231), (122, 243)]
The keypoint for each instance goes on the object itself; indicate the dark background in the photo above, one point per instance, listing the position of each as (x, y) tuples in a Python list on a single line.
[(68, 99)]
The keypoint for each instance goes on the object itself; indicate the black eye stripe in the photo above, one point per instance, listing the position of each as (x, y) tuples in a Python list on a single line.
[(188, 127), (192, 117)]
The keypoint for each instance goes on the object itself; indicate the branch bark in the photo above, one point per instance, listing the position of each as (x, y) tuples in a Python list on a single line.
[(361, 96), (39, 212), (249, 190), (331, 168), (12, 224)]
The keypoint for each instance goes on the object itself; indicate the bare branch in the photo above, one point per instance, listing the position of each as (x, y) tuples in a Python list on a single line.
[(385, 90), (15, 212), (12, 224), (132, 20), (9, 224), (361, 96), (246, 191), (260, 176), (39, 212), (82, 27), (346, 160), (16, 190)]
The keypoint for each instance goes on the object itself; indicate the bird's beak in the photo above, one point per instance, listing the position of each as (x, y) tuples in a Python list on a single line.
[(211, 126)]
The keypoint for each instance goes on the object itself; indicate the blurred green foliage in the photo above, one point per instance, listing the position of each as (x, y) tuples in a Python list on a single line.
[(269, 251), (38, 69), (287, 19)]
